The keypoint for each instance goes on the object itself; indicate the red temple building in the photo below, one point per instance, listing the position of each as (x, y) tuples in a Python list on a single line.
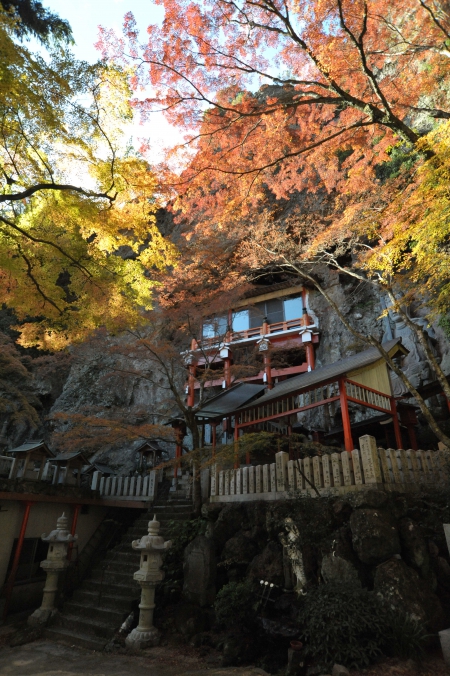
[(257, 368)]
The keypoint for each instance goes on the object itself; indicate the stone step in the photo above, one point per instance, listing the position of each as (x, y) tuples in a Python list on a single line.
[(109, 616), (129, 557), (103, 598), (83, 625), (95, 588), (123, 572), (71, 638)]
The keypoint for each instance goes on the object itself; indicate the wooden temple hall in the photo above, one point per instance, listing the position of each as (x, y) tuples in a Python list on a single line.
[(354, 395)]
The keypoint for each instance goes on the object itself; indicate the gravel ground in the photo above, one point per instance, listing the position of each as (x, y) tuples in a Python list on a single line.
[(48, 658)]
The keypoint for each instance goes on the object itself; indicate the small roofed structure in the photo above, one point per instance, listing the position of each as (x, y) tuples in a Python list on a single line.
[(150, 455), (361, 379), (66, 464), (97, 467), (29, 460)]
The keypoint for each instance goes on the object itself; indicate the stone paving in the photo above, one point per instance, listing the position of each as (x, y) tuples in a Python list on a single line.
[(48, 658)]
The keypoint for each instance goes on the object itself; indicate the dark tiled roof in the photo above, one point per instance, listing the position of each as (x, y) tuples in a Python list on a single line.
[(62, 457), (229, 400), (31, 446), (153, 446), (330, 371)]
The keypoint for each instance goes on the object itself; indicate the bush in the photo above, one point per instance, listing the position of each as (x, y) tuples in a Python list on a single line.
[(405, 637), (342, 624), (353, 627), (236, 604)]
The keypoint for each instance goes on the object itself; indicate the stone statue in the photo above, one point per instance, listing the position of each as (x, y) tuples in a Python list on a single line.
[(291, 542)]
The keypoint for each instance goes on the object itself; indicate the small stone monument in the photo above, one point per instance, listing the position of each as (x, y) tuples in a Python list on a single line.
[(149, 574), (55, 562)]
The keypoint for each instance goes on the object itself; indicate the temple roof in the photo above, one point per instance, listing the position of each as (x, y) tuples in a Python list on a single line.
[(29, 446), (229, 400), (343, 367)]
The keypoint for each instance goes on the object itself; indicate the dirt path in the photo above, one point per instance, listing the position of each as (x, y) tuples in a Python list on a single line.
[(46, 658)]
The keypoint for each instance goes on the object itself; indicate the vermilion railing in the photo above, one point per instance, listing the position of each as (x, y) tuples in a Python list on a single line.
[(257, 331)]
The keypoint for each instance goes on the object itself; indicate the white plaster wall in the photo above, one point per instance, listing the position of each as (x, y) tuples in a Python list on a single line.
[(42, 519)]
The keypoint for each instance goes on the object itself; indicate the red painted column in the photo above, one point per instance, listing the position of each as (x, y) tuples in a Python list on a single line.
[(12, 576), (348, 441), (268, 370), (73, 529), (227, 371), (397, 431), (310, 357)]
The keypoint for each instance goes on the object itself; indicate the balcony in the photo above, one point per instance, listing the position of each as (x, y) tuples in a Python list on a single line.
[(278, 328)]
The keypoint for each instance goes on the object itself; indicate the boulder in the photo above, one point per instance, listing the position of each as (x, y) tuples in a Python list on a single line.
[(368, 498), (228, 523), (374, 535), (211, 511), (339, 670), (240, 548), (336, 569), (200, 571), (414, 547), (402, 589), (268, 565), (190, 619), (239, 649)]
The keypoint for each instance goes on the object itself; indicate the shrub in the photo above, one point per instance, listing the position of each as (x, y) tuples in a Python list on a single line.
[(236, 604), (405, 637), (342, 624)]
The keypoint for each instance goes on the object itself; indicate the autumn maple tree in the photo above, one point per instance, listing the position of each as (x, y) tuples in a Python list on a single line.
[(77, 228)]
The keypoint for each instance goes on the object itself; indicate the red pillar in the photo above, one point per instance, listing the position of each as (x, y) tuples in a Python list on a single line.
[(12, 576), (310, 358), (191, 385), (73, 529), (397, 431), (345, 416), (268, 370), (227, 371)]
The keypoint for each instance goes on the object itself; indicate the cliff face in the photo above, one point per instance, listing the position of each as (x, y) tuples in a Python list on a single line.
[(105, 379)]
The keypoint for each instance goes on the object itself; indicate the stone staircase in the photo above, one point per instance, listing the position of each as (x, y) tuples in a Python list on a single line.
[(106, 597)]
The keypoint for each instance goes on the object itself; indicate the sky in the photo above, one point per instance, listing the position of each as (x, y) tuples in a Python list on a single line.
[(84, 17)]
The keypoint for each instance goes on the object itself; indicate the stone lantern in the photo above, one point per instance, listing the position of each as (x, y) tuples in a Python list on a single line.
[(56, 561), (149, 574)]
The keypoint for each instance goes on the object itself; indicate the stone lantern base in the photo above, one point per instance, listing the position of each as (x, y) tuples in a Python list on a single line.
[(42, 616), (139, 639)]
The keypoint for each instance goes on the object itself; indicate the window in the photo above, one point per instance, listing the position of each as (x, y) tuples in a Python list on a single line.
[(293, 308), (276, 310), (241, 320), (215, 327), (34, 551)]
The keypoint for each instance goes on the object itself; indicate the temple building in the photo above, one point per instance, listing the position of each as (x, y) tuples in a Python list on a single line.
[(254, 369)]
